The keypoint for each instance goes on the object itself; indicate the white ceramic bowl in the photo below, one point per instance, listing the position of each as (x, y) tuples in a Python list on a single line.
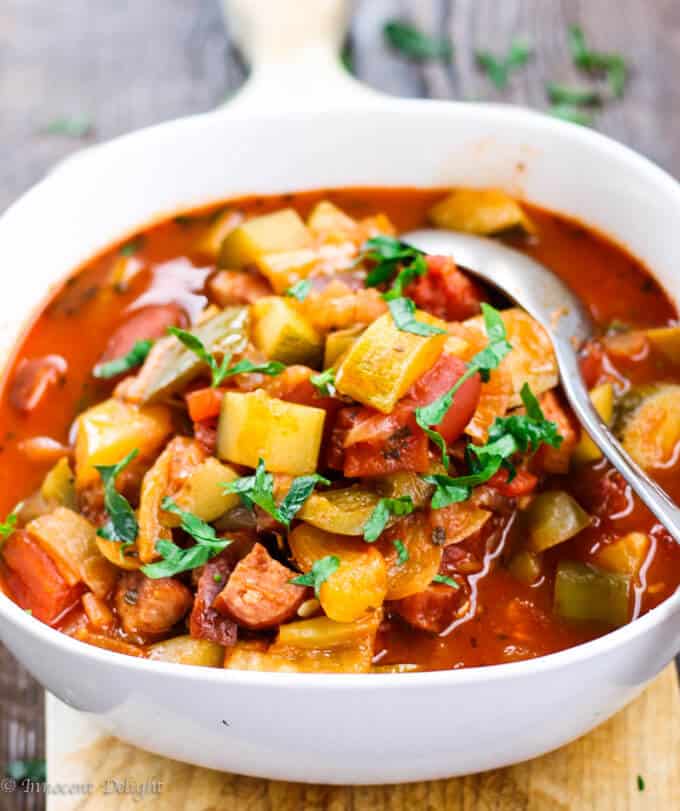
[(335, 728)]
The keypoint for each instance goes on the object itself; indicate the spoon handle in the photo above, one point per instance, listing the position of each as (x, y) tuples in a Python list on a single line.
[(658, 502)]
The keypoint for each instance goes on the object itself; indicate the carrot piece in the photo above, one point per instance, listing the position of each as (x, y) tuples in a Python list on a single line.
[(204, 403)]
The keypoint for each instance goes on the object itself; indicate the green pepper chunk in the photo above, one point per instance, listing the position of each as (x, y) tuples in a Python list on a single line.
[(584, 592)]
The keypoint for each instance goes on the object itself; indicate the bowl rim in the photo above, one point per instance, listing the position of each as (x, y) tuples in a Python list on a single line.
[(46, 635)]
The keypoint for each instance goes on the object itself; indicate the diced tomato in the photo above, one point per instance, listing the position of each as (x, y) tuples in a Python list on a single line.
[(445, 291), (34, 579), (521, 485), (294, 386), (591, 363), (375, 444), (204, 404)]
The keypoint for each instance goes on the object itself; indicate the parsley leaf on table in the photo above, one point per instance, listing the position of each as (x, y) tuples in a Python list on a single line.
[(122, 523), (613, 64), (135, 357), (414, 44), (34, 771), (386, 507), (320, 572), (498, 69)]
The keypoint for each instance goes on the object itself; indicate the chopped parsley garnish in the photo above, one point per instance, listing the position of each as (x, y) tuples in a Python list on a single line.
[(386, 507), (390, 253), (562, 94), (217, 577), (498, 69), (613, 64), (122, 523), (402, 552), (483, 362), (640, 782), (507, 436), (258, 489), (403, 314), (135, 357), (299, 290), (414, 44), (347, 58), (176, 559), (34, 771), (130, 248), (221, 371), (320, 572), (448, 581), (76, 126), (572, 114), (8, 526), (324, 382)]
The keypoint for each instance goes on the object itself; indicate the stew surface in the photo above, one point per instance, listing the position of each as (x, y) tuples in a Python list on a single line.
[(269, 435)]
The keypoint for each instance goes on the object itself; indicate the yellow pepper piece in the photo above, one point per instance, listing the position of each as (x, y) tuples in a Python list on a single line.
[(626, 555), (602, 398), (283, 334), (281, 231), (384, 362), (480, 211), (109, 431), (285, 268), (286, 435), (202, 492), (651, 435)]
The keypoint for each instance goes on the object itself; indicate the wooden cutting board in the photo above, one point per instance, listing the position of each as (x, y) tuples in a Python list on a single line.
[(598, 772)]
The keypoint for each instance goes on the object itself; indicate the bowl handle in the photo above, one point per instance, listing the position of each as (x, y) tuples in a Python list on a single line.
[(293, 48)]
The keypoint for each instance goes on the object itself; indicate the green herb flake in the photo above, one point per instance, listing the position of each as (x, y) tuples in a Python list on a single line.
[(564, 94), (414, 44), (122, 524), (613, 64), (258, 490), (194, 344), (217, 577), (130, 248), (245, 366), (324, 383), (498, 69), (76, 126), (483, 363), (34, 771), (384, 509), (300, 290), (402, 552), (447, 581), (320, 572), (8, 526), (135, 357), (572, 114), (640, 782), (389, 254), (403, 311)]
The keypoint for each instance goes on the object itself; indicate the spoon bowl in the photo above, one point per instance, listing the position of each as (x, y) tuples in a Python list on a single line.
[(548, 300)]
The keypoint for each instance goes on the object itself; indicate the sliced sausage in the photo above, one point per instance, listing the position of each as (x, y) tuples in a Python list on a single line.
[(33, 379), (206, 622), (259, 594), (150, 607), (146, 324), (431, 610)]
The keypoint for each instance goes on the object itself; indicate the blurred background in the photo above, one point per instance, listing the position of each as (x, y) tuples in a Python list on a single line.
[(76, 72)]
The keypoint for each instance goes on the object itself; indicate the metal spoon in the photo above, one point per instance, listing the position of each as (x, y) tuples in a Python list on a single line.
[(547, 299)]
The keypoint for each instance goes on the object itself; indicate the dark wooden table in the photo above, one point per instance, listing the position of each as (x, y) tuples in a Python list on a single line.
[(125, 65)]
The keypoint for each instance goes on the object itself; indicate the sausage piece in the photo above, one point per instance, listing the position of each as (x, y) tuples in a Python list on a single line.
[(259, 594), (231, 287), (205, 622), (146, 324), (33, 379), (431, 610), (150, 607)]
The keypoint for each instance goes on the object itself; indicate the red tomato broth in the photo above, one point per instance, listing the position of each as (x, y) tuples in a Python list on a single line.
[(513, 620)]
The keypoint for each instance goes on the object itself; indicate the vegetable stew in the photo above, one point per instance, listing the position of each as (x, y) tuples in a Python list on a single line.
[(270, 435)]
